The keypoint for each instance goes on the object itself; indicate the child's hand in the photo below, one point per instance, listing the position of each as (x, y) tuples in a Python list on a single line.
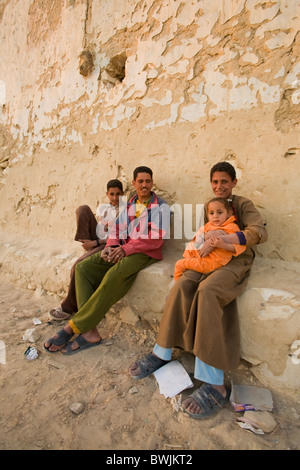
[(88, 244), (205, 249), (217, 242)]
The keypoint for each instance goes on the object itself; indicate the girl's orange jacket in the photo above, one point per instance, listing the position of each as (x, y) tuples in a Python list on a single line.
[(217, 258)]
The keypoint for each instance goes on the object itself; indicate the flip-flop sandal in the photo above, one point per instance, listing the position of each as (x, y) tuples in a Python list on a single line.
[(209, 400), (57, 313), (82, 343), (148, 364), (62, 338)]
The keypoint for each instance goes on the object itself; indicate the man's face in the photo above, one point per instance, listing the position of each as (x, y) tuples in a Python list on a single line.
[(143, 185), (113, 195), (222, 184)]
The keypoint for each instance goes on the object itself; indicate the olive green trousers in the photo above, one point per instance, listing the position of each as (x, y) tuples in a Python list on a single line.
[(100, 284)]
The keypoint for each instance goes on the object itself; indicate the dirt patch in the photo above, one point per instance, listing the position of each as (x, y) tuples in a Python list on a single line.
[(118, 412)]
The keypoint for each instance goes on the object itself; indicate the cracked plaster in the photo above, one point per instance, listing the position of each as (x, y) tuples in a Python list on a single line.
[(228, 68)]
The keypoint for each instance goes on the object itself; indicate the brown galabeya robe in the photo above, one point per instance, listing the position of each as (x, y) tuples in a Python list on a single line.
[(200, 315)]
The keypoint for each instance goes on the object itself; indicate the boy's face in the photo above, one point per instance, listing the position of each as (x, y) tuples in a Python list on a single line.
[(217, 213), (143, 185), (222, 184), (113, 195)]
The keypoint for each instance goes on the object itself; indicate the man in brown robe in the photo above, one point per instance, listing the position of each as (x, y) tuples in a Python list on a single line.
[(200, 315)]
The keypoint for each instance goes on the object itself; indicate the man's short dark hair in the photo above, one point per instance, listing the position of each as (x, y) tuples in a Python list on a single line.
[(114, 184), (223, 166), (142, 169)]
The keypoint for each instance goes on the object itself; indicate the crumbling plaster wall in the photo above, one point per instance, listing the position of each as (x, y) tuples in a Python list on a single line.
[(204, 80), (176, 85)]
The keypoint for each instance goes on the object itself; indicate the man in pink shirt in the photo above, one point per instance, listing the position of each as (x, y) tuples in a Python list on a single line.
[(101, 280)]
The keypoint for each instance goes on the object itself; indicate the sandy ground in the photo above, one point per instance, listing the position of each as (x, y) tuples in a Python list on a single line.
[(119, 413)]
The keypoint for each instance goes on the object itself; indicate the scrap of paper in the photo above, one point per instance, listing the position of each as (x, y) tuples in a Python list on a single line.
[(172, 379)]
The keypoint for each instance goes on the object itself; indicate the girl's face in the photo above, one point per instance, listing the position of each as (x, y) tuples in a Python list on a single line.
[(217, 213)]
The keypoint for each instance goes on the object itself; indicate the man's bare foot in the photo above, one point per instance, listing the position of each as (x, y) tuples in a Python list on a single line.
[(91, 336), (146, 366), (59, 340), (205, 400)]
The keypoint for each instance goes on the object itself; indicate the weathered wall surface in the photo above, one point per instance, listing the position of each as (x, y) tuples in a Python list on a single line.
[(203, 81), (176, 85)]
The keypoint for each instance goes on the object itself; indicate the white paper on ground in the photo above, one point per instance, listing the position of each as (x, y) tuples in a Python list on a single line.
[(172, 379)]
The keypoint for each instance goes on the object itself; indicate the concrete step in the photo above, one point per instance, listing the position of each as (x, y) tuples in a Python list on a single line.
[(269, 309)]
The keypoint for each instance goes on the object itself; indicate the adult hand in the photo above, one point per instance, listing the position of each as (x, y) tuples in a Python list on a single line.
[(105, 254), (116, 254), (214, 233)]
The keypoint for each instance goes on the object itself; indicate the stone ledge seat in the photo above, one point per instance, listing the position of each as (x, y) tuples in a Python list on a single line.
[(269, 309)]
